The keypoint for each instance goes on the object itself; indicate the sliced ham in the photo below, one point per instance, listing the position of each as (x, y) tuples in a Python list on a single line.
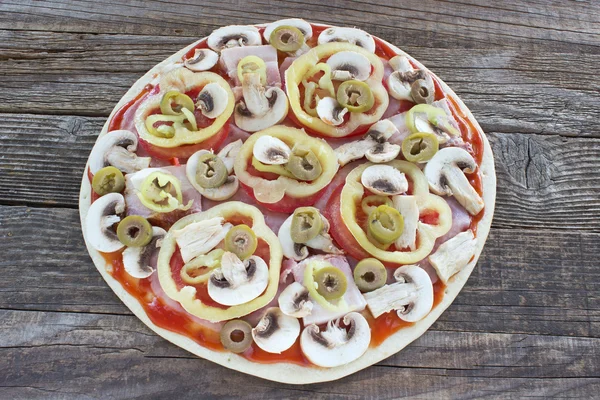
[(461, 220), (284, 66), (232, 56)]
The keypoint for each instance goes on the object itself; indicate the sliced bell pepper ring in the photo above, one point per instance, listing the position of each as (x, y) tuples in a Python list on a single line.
[(184, 81), (270, 193), (303, 65), (186, 296)]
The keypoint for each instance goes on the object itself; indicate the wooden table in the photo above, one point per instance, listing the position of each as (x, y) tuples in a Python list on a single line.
[(526, 325)]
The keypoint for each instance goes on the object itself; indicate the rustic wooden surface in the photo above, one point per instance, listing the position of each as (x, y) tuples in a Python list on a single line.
[(526, 325)]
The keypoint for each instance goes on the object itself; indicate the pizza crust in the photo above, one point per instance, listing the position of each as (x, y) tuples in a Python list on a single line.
[(286, 372)]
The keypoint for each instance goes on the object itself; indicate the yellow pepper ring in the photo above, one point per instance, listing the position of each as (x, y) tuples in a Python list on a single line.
[(161, 192), (186, 295), (181, 101), (252, 64)]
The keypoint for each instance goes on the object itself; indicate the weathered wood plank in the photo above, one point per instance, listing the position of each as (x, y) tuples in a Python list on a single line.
[(539, 184), (106, 356), (532, 282)]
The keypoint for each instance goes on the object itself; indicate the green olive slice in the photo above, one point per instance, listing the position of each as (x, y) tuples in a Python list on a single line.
[(252, 64), (134, 231), (307, 223), (173, 102), (369, 203), (422, 91), (420, 147), (355, 95), (304, 164), (287, 38), (369, 274), (108, 180), (236, 336), (331, 282), (385, 224), (241, 241), (211, 171)]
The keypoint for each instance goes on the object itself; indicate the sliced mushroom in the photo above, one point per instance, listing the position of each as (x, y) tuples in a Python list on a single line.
[(237, 282), (301, 24), (453, 255), (117, 148), (234, 36), (294, 301), (261, 108), (407, 83), (137, 260), (212, 100), (374, 145), (271, 150), (346, 65), (224, 191), (351, 35), (411, 296), (203, 60), (407, 206), (200, 237), (276, 331), (336, 346), (299, 251), (102, 215), (330, 111), (384, 179), (446, 175), (229, 153)]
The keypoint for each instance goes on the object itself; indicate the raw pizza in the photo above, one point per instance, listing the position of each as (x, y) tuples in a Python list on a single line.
[(290, 200)]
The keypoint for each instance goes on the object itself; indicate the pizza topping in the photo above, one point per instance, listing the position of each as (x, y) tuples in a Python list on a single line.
[(369, 274), (445, 173), (137, 260), (203, 60), (173, 103), (374, 145), (108, 180), (200, 237), (420, 147), (160, 191), (134, 231), (294, 301), (304, 164), (307, 223), (261, 108), (210, 170), (353, 36), (454, 255), (234, 36), (229, 153), (355, 95), (237, 282), (117, 148), (385, 224), (422, 91), (198, 270), (431, 119), (212, 100), (252, 64), (409, 209), (370, 203), (304, 27), (336, 345), (236, 336), (209, 173), (330, 111), (330, 282), (306, 228), (407, 83), (287, 38), (411, 296), (271, 150), (276, 331), (384, 180), (102, 215), (241, 241), (347, 65)]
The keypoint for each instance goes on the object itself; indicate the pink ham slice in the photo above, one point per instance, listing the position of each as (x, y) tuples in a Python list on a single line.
[(231, 57), (353, 297), (284, 66)]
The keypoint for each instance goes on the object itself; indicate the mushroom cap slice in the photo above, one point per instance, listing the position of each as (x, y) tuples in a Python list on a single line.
[(261, 108), (212, 100), (301, 24), (234, 36), (384, 180), (117, 148), (347, 65), (294, 301), (101, 216), (354, 36), (237, 282), (137, 260), (445, 173), (203, 60), (229, 153), (422, 304), (336, 346), (276, 331), (383, 152), (330, 111), (271, 150)]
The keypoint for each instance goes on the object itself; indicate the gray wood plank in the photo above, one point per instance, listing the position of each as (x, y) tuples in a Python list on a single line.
[(527, 281)]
